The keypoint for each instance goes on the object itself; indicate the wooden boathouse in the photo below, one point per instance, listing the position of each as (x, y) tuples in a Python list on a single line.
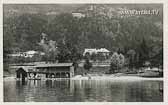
[(40, 71), (58, 70)]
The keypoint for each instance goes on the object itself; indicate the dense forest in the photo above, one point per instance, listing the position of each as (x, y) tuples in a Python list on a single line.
[(140, 37)]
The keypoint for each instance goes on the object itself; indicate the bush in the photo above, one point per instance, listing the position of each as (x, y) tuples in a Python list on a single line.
[(87, 65)]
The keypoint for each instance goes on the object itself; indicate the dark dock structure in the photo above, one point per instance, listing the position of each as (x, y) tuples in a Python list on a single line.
[(21, 73), (45, 71)]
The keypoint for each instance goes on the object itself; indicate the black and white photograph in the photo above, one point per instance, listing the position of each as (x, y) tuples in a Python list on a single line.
[(83, 52)]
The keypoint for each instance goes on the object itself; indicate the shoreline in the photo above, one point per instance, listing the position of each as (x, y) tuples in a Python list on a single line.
[(109, 77), (116, 77)]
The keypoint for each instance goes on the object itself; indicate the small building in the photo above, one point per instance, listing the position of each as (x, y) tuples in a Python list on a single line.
[(30, 53), (26, 54), (90, 51), (78, 15), (21, 73)]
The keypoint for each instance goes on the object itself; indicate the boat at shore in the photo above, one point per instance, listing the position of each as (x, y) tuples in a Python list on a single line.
[(151, 73)]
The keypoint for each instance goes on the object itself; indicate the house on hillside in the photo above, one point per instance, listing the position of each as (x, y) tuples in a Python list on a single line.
[(26, 54), (78, 14), (102, 51), (30, 53)]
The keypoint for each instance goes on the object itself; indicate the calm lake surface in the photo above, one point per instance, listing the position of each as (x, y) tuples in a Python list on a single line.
[(83, 91)]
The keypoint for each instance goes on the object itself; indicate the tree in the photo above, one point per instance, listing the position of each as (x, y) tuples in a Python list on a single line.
[(121, 60), (87, 55), (117, 62), (93, 56), (87, 65), (114, 62), (63, 53), (143, 52), (131, 56), (22, 32)]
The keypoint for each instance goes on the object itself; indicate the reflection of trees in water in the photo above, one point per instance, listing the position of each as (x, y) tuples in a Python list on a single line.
[(144, 91), (117, 91), (134, 92), (161, 88), (94, 90), (20, 89), (88, 93), (58, 89), (10, 91), (83, 90), (77, 90)]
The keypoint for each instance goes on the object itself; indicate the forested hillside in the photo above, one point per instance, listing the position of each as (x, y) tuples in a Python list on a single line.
[(102, 27)]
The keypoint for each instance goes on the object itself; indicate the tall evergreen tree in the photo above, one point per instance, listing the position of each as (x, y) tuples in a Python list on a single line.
[(143, 52)]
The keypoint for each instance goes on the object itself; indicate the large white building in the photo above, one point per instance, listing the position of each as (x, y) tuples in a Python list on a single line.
[(103, 51)]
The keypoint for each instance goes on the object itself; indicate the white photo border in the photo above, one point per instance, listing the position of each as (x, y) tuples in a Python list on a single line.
[(165, 49)]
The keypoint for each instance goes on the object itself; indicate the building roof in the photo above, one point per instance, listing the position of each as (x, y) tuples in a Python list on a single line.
[(21, 70), (101, 50), (25, 68), (77, 14), (92, 50), (31, 52), (54, 65)]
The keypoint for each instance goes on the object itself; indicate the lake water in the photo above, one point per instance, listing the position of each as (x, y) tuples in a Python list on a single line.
[(83, 91)]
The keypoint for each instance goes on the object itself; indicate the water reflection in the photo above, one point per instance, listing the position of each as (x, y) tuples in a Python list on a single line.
[(83, 90)]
